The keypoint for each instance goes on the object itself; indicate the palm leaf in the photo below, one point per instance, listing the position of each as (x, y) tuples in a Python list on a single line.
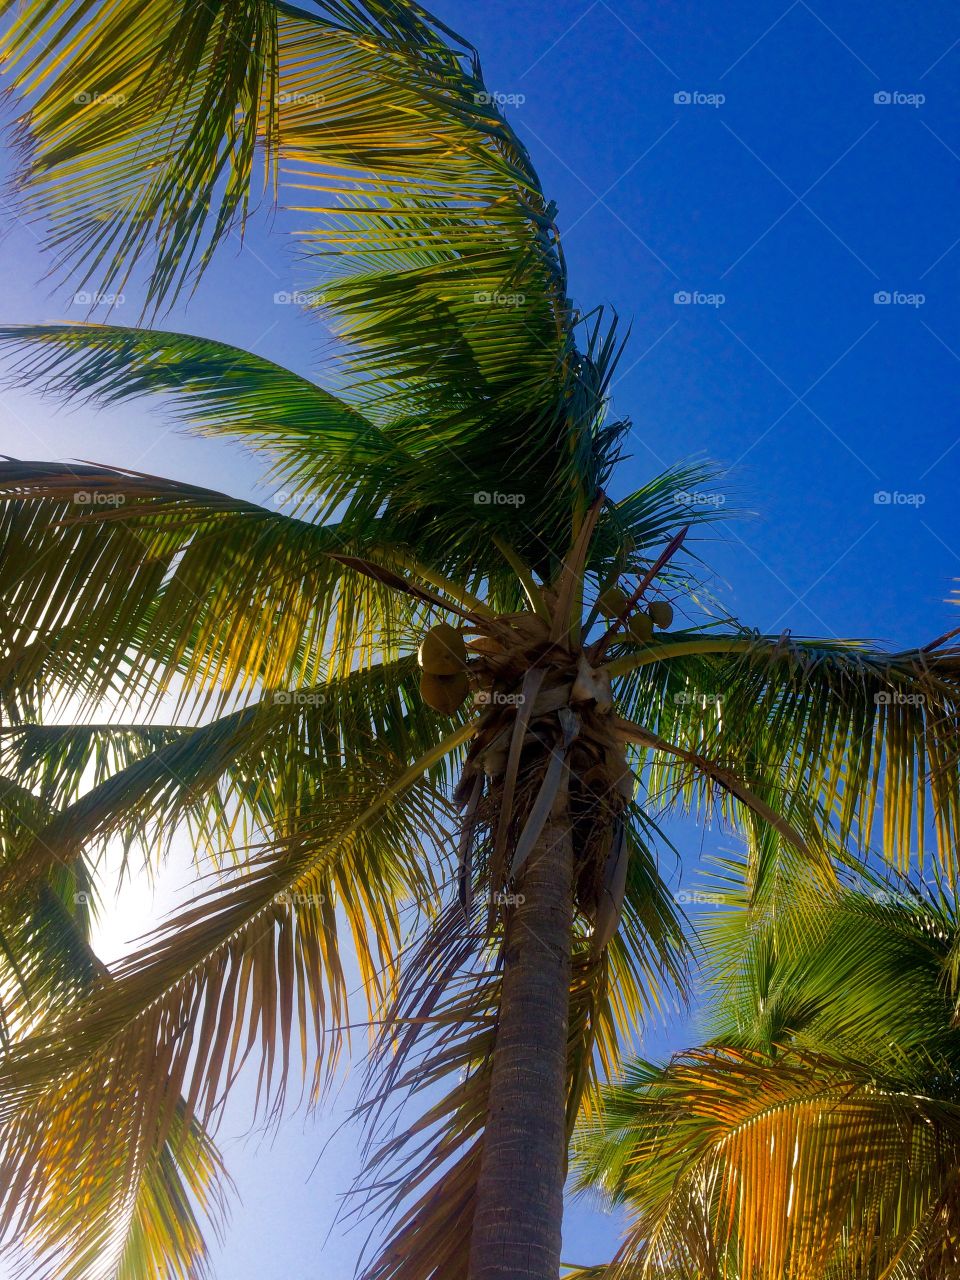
[(843, 726), (85, 1097), (169, 586)]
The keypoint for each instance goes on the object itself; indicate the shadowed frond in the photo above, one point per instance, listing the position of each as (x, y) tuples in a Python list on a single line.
[(252, 962), (407, 482), (47, 965), (120, 583)]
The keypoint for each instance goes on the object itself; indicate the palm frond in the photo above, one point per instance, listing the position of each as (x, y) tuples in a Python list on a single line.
[(254, 961), (858, 732), (404, 478), (142, 127), (442, 263), (734, 1141), (117, 583)]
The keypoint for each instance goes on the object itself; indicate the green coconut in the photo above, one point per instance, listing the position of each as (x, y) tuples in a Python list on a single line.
[(640, 627), (661, 613), (612, 602), (443, 651), (444, 693)]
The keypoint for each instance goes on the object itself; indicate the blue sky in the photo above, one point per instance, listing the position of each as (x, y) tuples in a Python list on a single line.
[(786, 167)]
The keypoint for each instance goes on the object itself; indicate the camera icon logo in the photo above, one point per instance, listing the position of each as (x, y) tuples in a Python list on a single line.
[(682, 98)]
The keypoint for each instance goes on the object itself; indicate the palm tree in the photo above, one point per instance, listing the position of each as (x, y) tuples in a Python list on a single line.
[(490, 860), (817, 1133)]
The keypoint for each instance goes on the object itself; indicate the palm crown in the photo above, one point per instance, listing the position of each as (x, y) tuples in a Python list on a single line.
[(459, 475)]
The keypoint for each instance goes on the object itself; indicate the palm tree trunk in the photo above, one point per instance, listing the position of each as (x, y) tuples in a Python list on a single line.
[(519, 1212)]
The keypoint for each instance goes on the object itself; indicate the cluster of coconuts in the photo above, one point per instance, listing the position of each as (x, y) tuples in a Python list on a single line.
[(640, 625), (444, 684)]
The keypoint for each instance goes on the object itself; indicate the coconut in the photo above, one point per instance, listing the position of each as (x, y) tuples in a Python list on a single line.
[(612, 602), (661, 613), (442, 651), (641, 627), (444, 693)]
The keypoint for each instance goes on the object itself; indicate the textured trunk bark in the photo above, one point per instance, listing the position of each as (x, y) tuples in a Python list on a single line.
[(517, 1224)]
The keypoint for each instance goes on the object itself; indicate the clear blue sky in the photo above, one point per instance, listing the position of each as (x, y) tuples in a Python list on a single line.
[(798, 197)]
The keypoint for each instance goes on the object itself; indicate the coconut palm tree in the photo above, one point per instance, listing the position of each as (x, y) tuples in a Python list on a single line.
[(817, 1132), (477, 832)]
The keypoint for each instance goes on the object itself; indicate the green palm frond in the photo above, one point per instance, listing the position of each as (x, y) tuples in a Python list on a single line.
[(228, 780), (164, 1232), (47, 965), (253, 961), (814, 971), (171, 587), (45, 957), (143, 125), (319, 448), (412, 174), (841, 725), (442, 264), (817, 1135), (629, 530), (149, 1226), (405, 478)]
